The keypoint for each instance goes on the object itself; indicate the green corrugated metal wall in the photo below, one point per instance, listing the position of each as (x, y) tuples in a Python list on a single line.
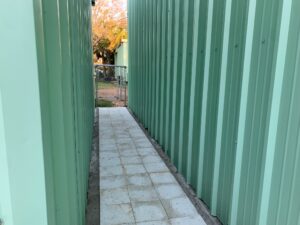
[(46, 111), (216, 83)]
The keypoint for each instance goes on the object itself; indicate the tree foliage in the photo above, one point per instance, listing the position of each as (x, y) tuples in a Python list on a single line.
[(109, 27)]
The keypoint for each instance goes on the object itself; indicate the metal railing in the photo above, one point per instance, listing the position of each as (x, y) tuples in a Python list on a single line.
[(111, 84)]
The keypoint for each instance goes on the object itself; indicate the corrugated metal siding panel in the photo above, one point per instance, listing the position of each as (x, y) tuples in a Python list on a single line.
[(186, 86), (206, 79), (285, 209), (212, 99), (47, 111), (257, 110), (229, 102), (199, 43), (67, 105), (175, 88)]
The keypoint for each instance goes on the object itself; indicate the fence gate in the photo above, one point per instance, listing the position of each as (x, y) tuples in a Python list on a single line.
[(110, 85)]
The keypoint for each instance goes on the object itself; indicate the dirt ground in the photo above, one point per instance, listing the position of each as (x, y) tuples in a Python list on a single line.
[(110, 94)]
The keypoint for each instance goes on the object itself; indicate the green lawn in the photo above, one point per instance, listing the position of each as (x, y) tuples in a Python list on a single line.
[(105, 85), (104, 103)]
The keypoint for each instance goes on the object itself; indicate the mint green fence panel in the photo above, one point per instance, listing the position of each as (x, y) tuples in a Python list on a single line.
[(47, 111), (68, 104), (214, 82), (229, 102), (282, 168)]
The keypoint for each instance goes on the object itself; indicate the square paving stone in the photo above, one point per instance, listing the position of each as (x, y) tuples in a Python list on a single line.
[(139, 180), (114, 196), (126, 146), (123, 136), (106, 136), (111, 171), (108, 148), (142, 138), (137, 133), (169, 191), (179, 207), (110, 162), (146, 151), (156, 167), (124, 140), (197, 220), (148, 211), (134, 169), (116, 214), (108, 155), (128, 152), (112, 182), (131, 160), (154, 223), (162, 178), (151, 159), (143, 144), (107, 141), (142, 194)]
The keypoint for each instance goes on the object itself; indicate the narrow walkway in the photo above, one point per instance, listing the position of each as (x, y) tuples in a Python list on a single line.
[(136, 187)]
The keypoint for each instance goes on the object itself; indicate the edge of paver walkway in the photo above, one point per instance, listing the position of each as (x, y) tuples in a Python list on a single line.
[(199, 205), (93, 196)]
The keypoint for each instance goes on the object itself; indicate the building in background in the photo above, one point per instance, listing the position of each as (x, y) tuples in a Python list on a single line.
[(121, 55)]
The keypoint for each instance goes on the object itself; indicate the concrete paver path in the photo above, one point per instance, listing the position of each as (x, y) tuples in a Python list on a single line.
[(136, 187)]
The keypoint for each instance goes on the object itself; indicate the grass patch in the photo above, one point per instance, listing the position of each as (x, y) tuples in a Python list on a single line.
[(105, 85), (104, 103)]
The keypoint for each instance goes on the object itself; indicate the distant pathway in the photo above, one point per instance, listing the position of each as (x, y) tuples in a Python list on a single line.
[(136, 188)]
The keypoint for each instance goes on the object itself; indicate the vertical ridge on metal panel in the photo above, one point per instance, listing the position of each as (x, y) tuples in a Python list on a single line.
[(204, 96), (224, 61), (191, 107), (175, 88)]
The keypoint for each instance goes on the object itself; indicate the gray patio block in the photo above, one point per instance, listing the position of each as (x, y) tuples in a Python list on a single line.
[(148, 211), (134, 169), (156, 167), (114, 196), (179, 207), (116, 214), (131, 160), (142, 193), (112, 182), (162, 178), (169, 191), (139, 180), (197, 220), (111, 171)]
